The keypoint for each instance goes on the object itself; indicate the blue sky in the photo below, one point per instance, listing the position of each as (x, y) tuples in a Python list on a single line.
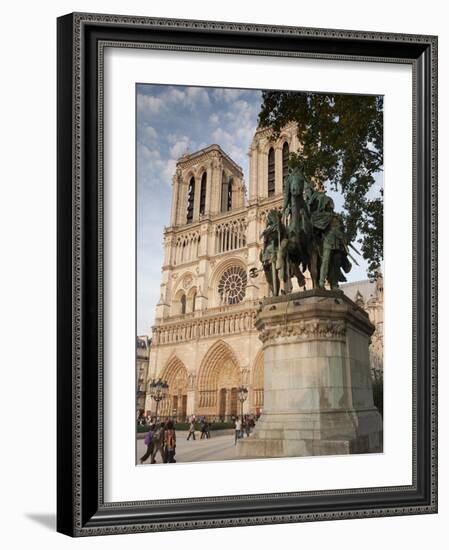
[(170, 121)]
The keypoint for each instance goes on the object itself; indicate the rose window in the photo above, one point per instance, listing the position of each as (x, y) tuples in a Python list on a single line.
[(232, 285)]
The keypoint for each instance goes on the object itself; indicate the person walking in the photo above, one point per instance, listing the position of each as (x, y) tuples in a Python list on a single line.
[(203, 428), (191, 430), (238, 429), (158, 439), (170, 442), (245, 428), (148, 440)]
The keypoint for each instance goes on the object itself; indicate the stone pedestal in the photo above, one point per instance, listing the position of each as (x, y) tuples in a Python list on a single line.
[(318, 397)]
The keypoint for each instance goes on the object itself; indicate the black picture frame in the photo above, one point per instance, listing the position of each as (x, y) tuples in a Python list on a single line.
[(81, 509)]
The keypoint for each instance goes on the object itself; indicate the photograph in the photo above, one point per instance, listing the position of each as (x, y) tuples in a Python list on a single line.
[(259, 273)]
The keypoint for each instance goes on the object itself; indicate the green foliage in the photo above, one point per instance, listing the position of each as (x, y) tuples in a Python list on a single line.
[(342, 137)]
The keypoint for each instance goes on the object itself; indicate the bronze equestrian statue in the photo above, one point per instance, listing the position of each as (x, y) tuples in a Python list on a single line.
[(308, 235)]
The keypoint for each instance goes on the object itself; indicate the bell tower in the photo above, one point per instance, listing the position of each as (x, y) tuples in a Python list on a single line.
[(205, 183)]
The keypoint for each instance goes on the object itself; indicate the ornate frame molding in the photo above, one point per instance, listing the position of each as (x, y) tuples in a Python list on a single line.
[(81, 41)]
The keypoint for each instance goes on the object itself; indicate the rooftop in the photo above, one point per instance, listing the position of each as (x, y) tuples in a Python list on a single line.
[(186, 157)]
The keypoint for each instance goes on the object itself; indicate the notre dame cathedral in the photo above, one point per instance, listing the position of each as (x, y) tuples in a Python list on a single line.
[(204, 343)]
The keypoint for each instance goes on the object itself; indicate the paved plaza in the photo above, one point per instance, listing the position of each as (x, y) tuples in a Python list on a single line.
[(218, 447)]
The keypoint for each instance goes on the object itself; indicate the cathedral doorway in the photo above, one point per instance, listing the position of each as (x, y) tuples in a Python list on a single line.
[(218, 380), (175, 406), (222, 405)]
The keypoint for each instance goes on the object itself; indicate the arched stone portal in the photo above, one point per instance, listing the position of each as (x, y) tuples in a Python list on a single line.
[(218, 380), (175, 373), (258, 375)]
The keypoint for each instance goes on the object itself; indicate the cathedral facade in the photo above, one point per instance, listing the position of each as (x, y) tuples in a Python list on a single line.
[(204, 343)]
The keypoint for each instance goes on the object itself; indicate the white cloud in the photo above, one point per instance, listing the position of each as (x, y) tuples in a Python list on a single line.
[(174, 95), (198, 96), (192, 97), (146, 153), (180, 147), (149, 134), (226, 94), (214, 118), (149, 104), (220, 135)]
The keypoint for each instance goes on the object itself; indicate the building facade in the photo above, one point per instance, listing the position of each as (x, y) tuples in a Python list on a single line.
[(143, 346), (204, 343), (370, 296)]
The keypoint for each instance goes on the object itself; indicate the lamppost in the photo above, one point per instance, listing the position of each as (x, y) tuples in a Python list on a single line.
[(242, 395), (158, 391)]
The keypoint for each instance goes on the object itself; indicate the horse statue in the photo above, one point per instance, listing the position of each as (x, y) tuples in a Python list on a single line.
[(307, 235), (303, 246), (278, 265)]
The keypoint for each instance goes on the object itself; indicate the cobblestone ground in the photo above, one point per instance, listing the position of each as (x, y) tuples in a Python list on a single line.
[(218, 447)]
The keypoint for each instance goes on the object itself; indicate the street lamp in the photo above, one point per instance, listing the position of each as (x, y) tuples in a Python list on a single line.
[(158, 391), (242, 395)]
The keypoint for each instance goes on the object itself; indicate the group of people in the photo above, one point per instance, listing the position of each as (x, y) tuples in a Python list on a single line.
[(243, 426), (204, 428), (160, 438)]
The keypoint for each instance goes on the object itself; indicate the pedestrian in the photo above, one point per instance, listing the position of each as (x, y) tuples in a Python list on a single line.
[(248, 426), (148, 440), (158, 439), (170, 442), (191, 430), (238, 429), (208, 429), (203, 428)]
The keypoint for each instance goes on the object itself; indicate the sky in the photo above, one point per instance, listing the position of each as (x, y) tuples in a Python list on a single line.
[(170, 121)]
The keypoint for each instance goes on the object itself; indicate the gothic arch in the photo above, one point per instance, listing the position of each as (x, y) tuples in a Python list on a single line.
[(200, 170), (216, 357), (270, 144), (271, 171), (180, 282), (179, 302), (187, 176), (258, 382), (191, 299), (218, 379), (258, 366), (176, 375), (284, 137), (172, 369)]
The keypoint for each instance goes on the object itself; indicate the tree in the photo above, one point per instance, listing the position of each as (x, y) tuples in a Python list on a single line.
[(342, 140)]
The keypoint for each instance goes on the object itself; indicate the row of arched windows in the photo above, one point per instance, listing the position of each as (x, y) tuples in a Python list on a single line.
[(191, 197), (272, 167), (230, 235), (226, 195), (186, 248), (185, 304)]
